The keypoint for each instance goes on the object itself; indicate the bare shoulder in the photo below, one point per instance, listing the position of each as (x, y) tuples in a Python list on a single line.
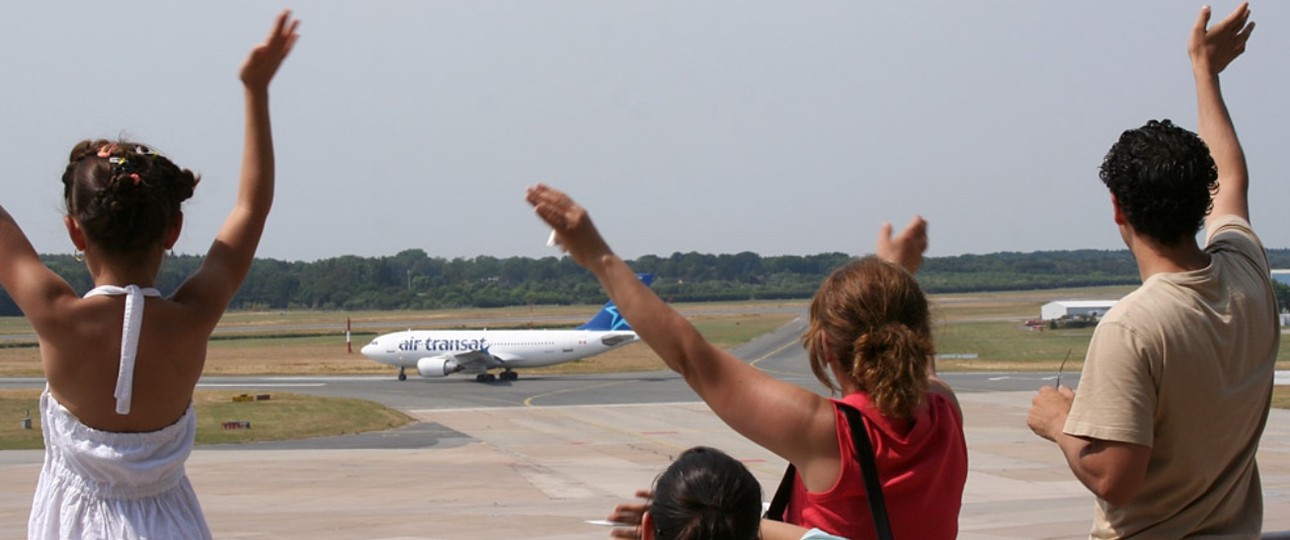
[(821, 460), (938, 387), (181, 321)]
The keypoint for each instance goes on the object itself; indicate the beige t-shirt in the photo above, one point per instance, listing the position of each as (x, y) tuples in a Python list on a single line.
[(1184, 365)]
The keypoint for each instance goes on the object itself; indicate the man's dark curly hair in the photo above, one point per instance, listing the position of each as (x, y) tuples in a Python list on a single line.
[(1163, 178)]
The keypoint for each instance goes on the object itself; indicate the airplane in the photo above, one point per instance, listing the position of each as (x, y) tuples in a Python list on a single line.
[(439, 353)]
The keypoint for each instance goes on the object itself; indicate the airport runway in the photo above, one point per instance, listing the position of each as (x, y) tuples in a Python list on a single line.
[(777, 353)]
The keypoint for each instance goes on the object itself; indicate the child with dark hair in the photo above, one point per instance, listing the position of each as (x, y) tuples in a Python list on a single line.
[(121, 362), (704, 495), (869, 340)]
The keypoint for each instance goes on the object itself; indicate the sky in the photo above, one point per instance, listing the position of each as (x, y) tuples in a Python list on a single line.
[(782, 128)]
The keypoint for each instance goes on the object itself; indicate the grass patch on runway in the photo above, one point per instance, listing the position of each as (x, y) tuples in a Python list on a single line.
[(284, 416), (1281, 397), (1009, 346)]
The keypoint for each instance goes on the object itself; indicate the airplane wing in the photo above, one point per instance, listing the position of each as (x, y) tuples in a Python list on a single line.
[(501, 359), (476, 361)]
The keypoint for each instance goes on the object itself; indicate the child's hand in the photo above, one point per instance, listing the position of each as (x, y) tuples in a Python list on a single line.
[(265, 58)]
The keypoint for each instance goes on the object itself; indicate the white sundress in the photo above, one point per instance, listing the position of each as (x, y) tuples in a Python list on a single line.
[(101, 484)]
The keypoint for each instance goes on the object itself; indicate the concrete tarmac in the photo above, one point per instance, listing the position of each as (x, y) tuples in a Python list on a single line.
[(487, 462), (543, 472)]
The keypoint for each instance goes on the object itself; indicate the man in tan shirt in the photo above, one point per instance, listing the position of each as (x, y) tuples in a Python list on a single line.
[(1177, 382)]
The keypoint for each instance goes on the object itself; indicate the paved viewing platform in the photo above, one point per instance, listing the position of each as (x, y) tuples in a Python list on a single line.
[(542, 472)]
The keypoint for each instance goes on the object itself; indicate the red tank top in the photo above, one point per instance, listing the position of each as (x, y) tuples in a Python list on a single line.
[(922, 464)]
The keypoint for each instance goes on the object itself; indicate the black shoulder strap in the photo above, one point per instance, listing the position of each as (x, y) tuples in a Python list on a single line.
[(779, 502), (863, 454)]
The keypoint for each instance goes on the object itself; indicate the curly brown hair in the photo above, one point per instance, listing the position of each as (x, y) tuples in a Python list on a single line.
[(1163, 179), (873, 317)]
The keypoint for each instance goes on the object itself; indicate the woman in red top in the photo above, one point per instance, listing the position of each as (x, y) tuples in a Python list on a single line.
[(869, 339)]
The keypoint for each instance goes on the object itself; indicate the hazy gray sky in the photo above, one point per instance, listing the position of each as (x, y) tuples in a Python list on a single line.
[(774, 127)]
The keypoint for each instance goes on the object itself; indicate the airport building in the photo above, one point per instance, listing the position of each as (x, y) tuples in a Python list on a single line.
[(1075, 308), (1282, 276)]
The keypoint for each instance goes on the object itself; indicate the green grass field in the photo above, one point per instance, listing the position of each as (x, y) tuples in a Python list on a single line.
[(1281, 397), (282, 416), (1009, 346)]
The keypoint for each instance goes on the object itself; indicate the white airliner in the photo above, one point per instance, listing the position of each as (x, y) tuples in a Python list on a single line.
[(439, 353)]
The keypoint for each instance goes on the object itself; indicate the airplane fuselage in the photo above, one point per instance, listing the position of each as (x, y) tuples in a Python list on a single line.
[(477, 351)]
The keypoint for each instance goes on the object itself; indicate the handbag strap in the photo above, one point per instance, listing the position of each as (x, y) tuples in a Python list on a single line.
[(868, 468), (779, 502), (864, 452)]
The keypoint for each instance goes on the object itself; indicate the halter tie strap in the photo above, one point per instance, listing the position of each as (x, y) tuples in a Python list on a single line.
[(133, 321)]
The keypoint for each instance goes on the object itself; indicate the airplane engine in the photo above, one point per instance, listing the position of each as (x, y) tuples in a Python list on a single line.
[(437, 366)]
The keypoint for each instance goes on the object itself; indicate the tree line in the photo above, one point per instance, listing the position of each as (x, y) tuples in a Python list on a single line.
[(414, 280)]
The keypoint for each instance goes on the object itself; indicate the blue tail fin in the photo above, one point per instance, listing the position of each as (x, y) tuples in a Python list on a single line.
[(607, 318)]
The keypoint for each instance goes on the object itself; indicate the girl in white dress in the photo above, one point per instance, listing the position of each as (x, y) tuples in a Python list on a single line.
[(121, 363)]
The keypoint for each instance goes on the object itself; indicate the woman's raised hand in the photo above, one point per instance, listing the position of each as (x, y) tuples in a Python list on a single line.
[(574, 231)]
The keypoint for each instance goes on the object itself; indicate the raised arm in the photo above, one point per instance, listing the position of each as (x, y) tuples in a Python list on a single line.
[(32, 285), (781, 417), (230, 255), (1211, 50), (906, 248)]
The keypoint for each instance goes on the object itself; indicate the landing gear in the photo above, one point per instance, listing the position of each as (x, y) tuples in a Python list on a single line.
[(485, 377), (402, 376), (508, 375)]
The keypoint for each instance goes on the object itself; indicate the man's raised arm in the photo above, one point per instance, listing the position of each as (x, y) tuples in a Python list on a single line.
[(1211, 50)]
